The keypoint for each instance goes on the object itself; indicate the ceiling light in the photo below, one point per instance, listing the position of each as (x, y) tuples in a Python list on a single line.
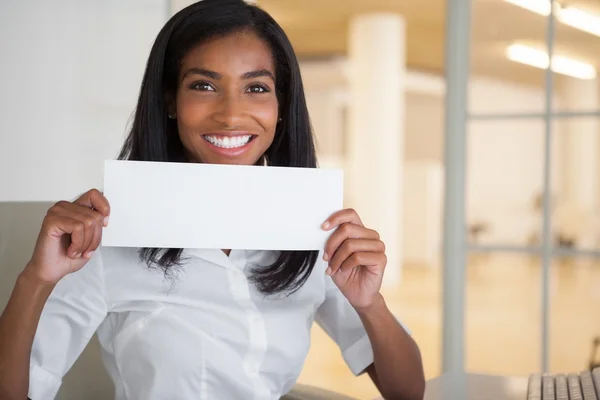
[(574, 17), (560, 64), (581, 20), (541, 7)]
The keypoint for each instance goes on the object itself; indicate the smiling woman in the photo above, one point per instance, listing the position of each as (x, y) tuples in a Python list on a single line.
[(228, 92), (222, 86)]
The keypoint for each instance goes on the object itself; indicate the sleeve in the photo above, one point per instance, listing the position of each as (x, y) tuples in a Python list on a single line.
[(341, 322), (70, 317)]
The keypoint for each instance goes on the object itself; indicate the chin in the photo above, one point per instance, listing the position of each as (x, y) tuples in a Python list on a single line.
[(226, 160), (234, 162)]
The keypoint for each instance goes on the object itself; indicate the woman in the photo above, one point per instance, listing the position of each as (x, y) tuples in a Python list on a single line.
[(222, 86)]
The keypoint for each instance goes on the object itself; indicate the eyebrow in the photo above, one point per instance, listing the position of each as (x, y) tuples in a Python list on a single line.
[(216, 76)]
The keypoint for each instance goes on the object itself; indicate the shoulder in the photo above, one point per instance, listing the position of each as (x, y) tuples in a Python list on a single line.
[(129, 277), (313, 289), (106, 260), (107, 266), (110, 256), (119, 261)]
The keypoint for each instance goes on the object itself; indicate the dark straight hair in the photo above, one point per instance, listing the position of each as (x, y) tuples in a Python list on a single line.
[(154, 137)]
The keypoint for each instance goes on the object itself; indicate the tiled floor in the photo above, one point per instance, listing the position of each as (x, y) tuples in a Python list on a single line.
[(503, 320)]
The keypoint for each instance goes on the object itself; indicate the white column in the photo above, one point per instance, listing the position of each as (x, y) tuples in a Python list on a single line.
[(582, 148), (375, 129)]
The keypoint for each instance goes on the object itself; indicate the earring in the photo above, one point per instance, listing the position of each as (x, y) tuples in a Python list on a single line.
[(171, 116), (279, 119)]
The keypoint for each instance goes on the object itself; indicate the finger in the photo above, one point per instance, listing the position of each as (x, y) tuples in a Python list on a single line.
[(75, 249), (348, 215), (363, 260), (57, 226), (351, 246), (91, 220), (94, 221), (95, 200), (344, 232), (96, 238)]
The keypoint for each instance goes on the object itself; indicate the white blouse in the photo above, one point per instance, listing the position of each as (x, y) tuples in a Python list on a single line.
[(206, 333)]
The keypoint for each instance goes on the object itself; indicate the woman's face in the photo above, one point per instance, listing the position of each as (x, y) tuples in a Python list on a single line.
[(226, 107)]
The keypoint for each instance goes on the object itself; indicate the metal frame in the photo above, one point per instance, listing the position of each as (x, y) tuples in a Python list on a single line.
[(457, 63), (546, 222), (458, 26)]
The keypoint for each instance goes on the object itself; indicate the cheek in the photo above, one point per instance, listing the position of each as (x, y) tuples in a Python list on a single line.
[(190, 111), (267, 115)]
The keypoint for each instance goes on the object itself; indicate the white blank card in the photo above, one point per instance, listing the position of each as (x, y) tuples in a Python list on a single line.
[(187, 205)]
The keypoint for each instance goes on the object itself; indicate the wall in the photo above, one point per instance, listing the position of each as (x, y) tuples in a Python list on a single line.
[(68, 88)]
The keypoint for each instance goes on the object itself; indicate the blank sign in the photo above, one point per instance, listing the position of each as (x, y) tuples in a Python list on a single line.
[(184, 205)]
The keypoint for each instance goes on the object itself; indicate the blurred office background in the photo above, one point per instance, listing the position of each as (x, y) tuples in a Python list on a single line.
[(374, 74)]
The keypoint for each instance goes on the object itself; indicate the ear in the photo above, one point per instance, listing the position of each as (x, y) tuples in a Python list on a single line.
[(170, 103)]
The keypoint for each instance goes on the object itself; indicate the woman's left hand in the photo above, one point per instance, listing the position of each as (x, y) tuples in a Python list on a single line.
[(356, 258)]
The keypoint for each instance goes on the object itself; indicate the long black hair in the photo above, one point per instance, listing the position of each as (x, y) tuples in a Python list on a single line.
[(154, 137)]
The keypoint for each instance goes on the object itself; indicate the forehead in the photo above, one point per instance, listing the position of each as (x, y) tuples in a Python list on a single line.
[(236, 52)]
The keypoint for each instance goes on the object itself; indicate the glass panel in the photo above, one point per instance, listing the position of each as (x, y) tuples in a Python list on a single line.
[(575, 207), (505, 163), (325, 368), (577, 56), (498, 84), (503, 318), (417, 302), (574, 322)]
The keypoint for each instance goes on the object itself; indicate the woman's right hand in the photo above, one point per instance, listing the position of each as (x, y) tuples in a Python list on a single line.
[(70, 234)]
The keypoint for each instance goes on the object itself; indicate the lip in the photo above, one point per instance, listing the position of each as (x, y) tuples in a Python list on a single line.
[(229, 133), (233, 152)]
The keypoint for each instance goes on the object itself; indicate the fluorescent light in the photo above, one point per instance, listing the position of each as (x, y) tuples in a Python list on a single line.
[(560, 64), (541, 7), (574, 17), (581, 20)]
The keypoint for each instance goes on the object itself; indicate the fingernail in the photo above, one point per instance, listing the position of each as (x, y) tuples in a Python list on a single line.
[(326, 225), (328, 271), (77, 255), (89, 254), (106, 221), (325, 256)]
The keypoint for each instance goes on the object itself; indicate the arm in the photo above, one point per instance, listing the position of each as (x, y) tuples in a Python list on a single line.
[(69, 235), (357, 261), (397, 370), (18, 324)]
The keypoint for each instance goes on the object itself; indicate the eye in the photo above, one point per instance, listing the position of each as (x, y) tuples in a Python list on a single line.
[(202, 86), (258, 88)]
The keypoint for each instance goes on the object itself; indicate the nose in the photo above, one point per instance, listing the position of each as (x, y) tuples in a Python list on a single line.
[(229, 111)]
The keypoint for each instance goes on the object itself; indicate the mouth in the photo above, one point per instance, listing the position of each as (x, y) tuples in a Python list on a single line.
[(229, 142)]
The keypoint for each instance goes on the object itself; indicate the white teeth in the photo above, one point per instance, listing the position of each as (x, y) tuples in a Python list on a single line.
[(228, 142)]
